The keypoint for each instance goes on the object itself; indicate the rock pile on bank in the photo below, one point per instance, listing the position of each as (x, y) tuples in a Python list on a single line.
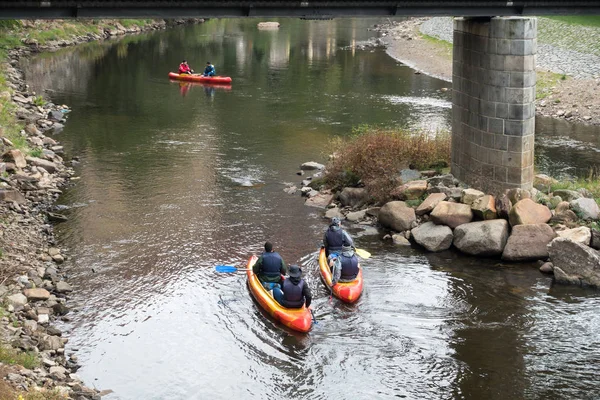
[(519, 225)]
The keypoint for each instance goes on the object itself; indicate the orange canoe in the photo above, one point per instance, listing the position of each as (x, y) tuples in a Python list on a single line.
[(348, 292), (200, 78), (298, 319)]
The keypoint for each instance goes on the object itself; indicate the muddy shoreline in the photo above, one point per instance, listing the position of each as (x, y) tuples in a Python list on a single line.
[(33, 284)]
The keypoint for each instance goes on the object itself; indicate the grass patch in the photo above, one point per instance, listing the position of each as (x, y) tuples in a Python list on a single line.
[(374, 156), (11, 356), (443, 45), (591, 183), (546, 81), (579, 20), (37, 152)]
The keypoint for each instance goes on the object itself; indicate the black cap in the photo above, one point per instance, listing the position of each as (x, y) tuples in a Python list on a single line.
[(295, 271)]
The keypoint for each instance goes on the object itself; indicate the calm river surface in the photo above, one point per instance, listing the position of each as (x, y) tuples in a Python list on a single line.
[(176, 179)]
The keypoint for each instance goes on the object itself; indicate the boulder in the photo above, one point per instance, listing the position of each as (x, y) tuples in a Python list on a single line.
[(311, 165), (373, 211), (55, 115), (595, 242), (407, 175), (582, 235), (470, 195), (483, 238), (567, 195), (430, 202), (515, 195), (47, 165), (484, 207), (447, 180), (585, 208), (50, 343), (574, 263), (400, 240), (13, 196), (562, 207), (334, 212), (35, 294), (433, 237), (451, 214), (554, 202), (396, 215), (17, 300), (16, 157), (542, 182), (354, 197), (320, 200), (410, 191), (547, 268), (63, 287), (528, 242), (526, 211), (503, 206), (356, 216)]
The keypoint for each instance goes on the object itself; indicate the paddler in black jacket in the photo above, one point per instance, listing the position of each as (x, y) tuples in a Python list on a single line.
[(269, 267), (294, 292), (335, 237)]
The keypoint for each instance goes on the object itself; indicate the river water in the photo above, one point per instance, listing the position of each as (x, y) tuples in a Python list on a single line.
[(177, 178)]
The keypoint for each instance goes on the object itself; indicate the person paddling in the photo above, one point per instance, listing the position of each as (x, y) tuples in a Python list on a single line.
[(209, 70), (335, 237), (294, 292), (184, 68), (269, 267), (344, 266)]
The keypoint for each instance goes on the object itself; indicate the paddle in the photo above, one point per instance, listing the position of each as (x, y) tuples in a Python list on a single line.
[(313, 317), (362, 253), (229, 269)]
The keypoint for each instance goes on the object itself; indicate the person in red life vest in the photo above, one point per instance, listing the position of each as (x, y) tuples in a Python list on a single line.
[(184, 68), (294, 292)]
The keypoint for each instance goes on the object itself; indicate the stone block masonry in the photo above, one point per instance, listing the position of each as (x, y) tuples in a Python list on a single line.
[(493, 102)]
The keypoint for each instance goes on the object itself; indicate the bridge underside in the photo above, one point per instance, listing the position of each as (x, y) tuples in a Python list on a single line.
[(316, 9)]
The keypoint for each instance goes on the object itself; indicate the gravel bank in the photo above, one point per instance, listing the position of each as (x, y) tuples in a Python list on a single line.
[(33, 285), (563, 49)]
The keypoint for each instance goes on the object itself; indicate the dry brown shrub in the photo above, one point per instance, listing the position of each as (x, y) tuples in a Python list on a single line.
[(375, 156)]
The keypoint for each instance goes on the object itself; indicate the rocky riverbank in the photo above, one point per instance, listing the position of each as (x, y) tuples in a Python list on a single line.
[(568, 70), (556, 227), (33, 354)]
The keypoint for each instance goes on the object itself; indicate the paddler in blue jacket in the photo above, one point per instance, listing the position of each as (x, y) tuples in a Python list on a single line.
[(335, 237), (269, 267), (209, 70), (294, 292)]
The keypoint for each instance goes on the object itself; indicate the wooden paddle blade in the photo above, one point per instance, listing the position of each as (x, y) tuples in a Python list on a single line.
[(362, 253)]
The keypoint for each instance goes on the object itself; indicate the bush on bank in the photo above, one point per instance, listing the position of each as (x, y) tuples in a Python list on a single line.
[(374, 156)]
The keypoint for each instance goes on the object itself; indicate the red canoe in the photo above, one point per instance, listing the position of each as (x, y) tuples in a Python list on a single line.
[(298, 319), (348, 292), (200, 78)]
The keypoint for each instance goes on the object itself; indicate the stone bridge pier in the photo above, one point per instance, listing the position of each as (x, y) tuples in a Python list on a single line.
[(493, 102)]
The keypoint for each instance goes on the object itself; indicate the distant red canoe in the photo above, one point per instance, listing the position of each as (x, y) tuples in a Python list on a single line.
[(199, 78)]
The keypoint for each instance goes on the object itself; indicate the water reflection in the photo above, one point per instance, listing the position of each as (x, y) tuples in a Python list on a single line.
[(177, 184)]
